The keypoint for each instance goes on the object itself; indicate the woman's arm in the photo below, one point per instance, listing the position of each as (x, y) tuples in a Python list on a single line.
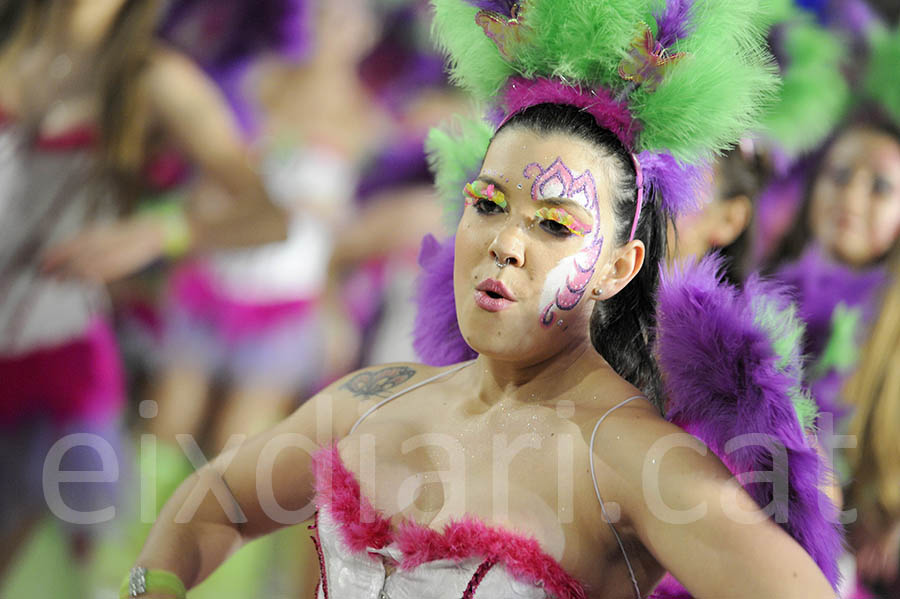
[(265, 483), (248, 491), (192, 112), (698, 522)]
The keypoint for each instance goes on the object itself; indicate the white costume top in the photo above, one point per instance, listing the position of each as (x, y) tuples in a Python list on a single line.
[(47, 195), (297, 267), (363, 556)]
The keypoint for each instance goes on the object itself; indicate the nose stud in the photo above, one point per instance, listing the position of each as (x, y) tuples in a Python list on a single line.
[(503, 264)]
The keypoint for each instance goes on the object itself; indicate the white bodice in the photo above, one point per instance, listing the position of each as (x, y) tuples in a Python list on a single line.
[(373, 574)]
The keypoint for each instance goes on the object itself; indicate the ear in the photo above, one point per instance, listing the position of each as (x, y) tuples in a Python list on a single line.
[(736, 213), (625, 265)]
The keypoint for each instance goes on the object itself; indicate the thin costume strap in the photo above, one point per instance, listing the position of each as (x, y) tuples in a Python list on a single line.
[(431, 379), (606, 517)]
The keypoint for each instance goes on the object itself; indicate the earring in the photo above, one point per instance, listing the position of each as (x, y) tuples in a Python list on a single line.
[(597, 292)]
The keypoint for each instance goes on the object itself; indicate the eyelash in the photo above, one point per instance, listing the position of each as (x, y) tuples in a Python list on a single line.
[(569, 225), (487, 207)]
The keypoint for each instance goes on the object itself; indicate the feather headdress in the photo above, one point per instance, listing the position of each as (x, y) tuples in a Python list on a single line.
[(676, 80)]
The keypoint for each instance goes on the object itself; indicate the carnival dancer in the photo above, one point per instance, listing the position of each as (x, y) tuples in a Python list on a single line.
[(519, 473), (87, 97)]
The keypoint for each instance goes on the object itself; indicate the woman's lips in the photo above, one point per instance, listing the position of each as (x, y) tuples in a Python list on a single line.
[(493, 296), (491, 304)]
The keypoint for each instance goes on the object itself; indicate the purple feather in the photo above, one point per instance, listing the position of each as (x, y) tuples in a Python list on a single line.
[(820, 284), (682, 188), (674, 23), (436, 336), (707, 326), (504, 7)]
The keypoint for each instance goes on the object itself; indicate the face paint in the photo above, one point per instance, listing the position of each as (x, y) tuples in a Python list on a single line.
[(480, 190), (564, 218), (567, 282)]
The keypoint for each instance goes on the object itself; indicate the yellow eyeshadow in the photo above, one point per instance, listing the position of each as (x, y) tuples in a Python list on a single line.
[(564, 218), (479, 190)]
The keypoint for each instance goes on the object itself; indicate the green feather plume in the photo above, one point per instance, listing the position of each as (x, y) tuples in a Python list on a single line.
[(704, 104), (713, 96), (881, 79), (785, 331), (455, 154), (815, 95)]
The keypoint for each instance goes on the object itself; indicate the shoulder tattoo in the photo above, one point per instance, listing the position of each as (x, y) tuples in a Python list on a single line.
[(378, 383)]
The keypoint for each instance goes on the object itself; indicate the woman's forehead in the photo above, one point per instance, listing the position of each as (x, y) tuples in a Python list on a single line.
[(875, 148), (514, 149)]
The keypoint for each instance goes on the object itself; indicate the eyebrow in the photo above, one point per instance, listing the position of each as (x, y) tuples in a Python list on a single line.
[(565, 203), (491, 181)]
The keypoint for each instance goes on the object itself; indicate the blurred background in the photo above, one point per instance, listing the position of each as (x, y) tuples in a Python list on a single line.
[(210, 209)]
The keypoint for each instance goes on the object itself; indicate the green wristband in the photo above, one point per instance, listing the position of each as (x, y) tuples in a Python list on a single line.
[(176, 230), (141, 581)]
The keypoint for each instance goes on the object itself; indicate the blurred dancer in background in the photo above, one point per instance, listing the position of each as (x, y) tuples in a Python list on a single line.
[(253, 317), (874, 393), (88, 98), (837, 257)]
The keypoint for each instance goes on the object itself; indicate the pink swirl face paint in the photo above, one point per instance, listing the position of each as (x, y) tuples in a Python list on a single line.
[(566, 283)]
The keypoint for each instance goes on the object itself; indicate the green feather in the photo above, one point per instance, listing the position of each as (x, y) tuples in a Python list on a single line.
[(455, 154), (580, 41), (841, 352), (706, 102), (475, 63), (785, 331), (715, 94), (815, 95), (881, 79)]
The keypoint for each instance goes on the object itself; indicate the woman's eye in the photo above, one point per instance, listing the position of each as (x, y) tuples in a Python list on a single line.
[(556, 228), (841, 176), (882, 187), (487, 207)]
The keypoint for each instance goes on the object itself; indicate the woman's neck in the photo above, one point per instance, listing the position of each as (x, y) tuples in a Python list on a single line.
[(530, 382)]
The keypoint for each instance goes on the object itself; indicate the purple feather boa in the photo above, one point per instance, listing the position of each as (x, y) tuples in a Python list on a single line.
[(707, 326), (436, 336), (820, 284)]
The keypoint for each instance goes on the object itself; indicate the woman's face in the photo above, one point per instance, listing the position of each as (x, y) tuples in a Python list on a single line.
[(855, 212), (541, 209)]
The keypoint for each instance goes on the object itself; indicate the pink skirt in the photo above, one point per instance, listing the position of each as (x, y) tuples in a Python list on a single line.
[(77, 381)]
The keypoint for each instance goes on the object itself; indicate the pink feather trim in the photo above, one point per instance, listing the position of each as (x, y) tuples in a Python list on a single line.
[(521, 93), (362, 526)]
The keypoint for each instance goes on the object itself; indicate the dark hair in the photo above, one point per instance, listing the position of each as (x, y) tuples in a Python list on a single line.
[(740, 174), (622, 327), (800, 234)]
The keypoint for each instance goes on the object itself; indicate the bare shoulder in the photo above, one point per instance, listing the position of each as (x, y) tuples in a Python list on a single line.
[(350, 396)]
